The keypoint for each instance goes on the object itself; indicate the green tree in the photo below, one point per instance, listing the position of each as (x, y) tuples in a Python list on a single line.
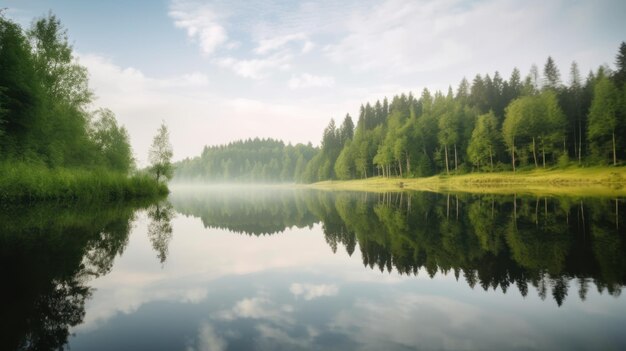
[(346, 131), (160, 155), (449, 130), (551, 75), (112, 141), (20, 94), (484, 141), (66, 94), (619, 76), (344, 166), (603, 119)]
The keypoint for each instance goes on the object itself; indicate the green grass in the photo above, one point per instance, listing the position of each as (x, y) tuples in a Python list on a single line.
[(592, 181), (21, 182)]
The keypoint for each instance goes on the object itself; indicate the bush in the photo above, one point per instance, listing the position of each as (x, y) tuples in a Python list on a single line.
[(22, 182)]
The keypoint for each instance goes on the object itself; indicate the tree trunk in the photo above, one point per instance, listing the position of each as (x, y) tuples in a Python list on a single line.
[(456, 161), (446, 154), (491, 159), (543, 154), (575, 143), (400, 167), (535, 154), (513, 155), (580, 142), (614, 155), (408, 164)]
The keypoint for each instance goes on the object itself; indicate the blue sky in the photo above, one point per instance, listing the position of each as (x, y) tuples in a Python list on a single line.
[(217, 71)]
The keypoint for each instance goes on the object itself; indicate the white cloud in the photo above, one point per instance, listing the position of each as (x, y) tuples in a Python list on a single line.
[(194, 110), (402, 37), (310, 291), (268, 45), (256, 68), (306, 80), (444, 323), (201, 23), (208, 340), (308, 46), (258, 308)]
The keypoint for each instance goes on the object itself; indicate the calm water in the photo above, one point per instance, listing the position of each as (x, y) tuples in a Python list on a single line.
[(247, 269)]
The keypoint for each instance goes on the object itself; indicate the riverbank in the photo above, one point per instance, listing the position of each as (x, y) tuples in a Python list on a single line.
[(30, 183), (592, 181)]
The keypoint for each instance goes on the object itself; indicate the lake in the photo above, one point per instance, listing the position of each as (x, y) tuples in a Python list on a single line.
[(246, 268)]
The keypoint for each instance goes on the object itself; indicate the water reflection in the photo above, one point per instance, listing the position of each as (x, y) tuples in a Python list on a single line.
[(160, 227), (294, 278), (48, 256), (550, 245)]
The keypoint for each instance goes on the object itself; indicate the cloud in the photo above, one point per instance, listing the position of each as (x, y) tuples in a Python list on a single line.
[(402, 37), (208, 340), (308, 46), (256, 68), (258, 308), (268, 45), (310, 291), (306, 80), (201, 23), (444, 323), (193, 108)]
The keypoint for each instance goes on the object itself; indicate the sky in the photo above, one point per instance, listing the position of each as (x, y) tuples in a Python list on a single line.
[(219, 71)]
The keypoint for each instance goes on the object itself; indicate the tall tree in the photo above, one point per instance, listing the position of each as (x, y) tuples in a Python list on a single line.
[(160, 154), (551, 75), (346, 131), (534, 78), (619, 76), (20, 93), (603, 119), (485, 139), (112, 141)]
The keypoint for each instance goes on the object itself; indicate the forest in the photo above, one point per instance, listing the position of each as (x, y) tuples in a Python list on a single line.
[(487, 124), (253, 160), (53, 143)]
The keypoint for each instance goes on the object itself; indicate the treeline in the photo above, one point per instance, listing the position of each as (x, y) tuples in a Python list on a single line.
[(488, 124), (46, 118), (251, 160)]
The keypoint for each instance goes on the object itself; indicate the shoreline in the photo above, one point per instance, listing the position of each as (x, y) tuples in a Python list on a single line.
[(574, 181)]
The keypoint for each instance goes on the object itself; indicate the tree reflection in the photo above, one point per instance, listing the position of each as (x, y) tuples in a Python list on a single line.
[(160, 228), (495, 242), (47, 256)]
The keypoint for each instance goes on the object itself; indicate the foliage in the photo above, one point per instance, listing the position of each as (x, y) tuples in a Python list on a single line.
[(23, 182), (252, 160), (160, 155), (47, 128), (603, 119), (541, 122)]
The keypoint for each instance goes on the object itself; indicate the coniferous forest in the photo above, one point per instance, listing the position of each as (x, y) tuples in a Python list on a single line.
[(53, 143), (545, 119)]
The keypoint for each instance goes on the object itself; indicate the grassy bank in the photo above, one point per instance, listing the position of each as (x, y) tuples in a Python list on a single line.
[(594, 181), (27, 183)]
